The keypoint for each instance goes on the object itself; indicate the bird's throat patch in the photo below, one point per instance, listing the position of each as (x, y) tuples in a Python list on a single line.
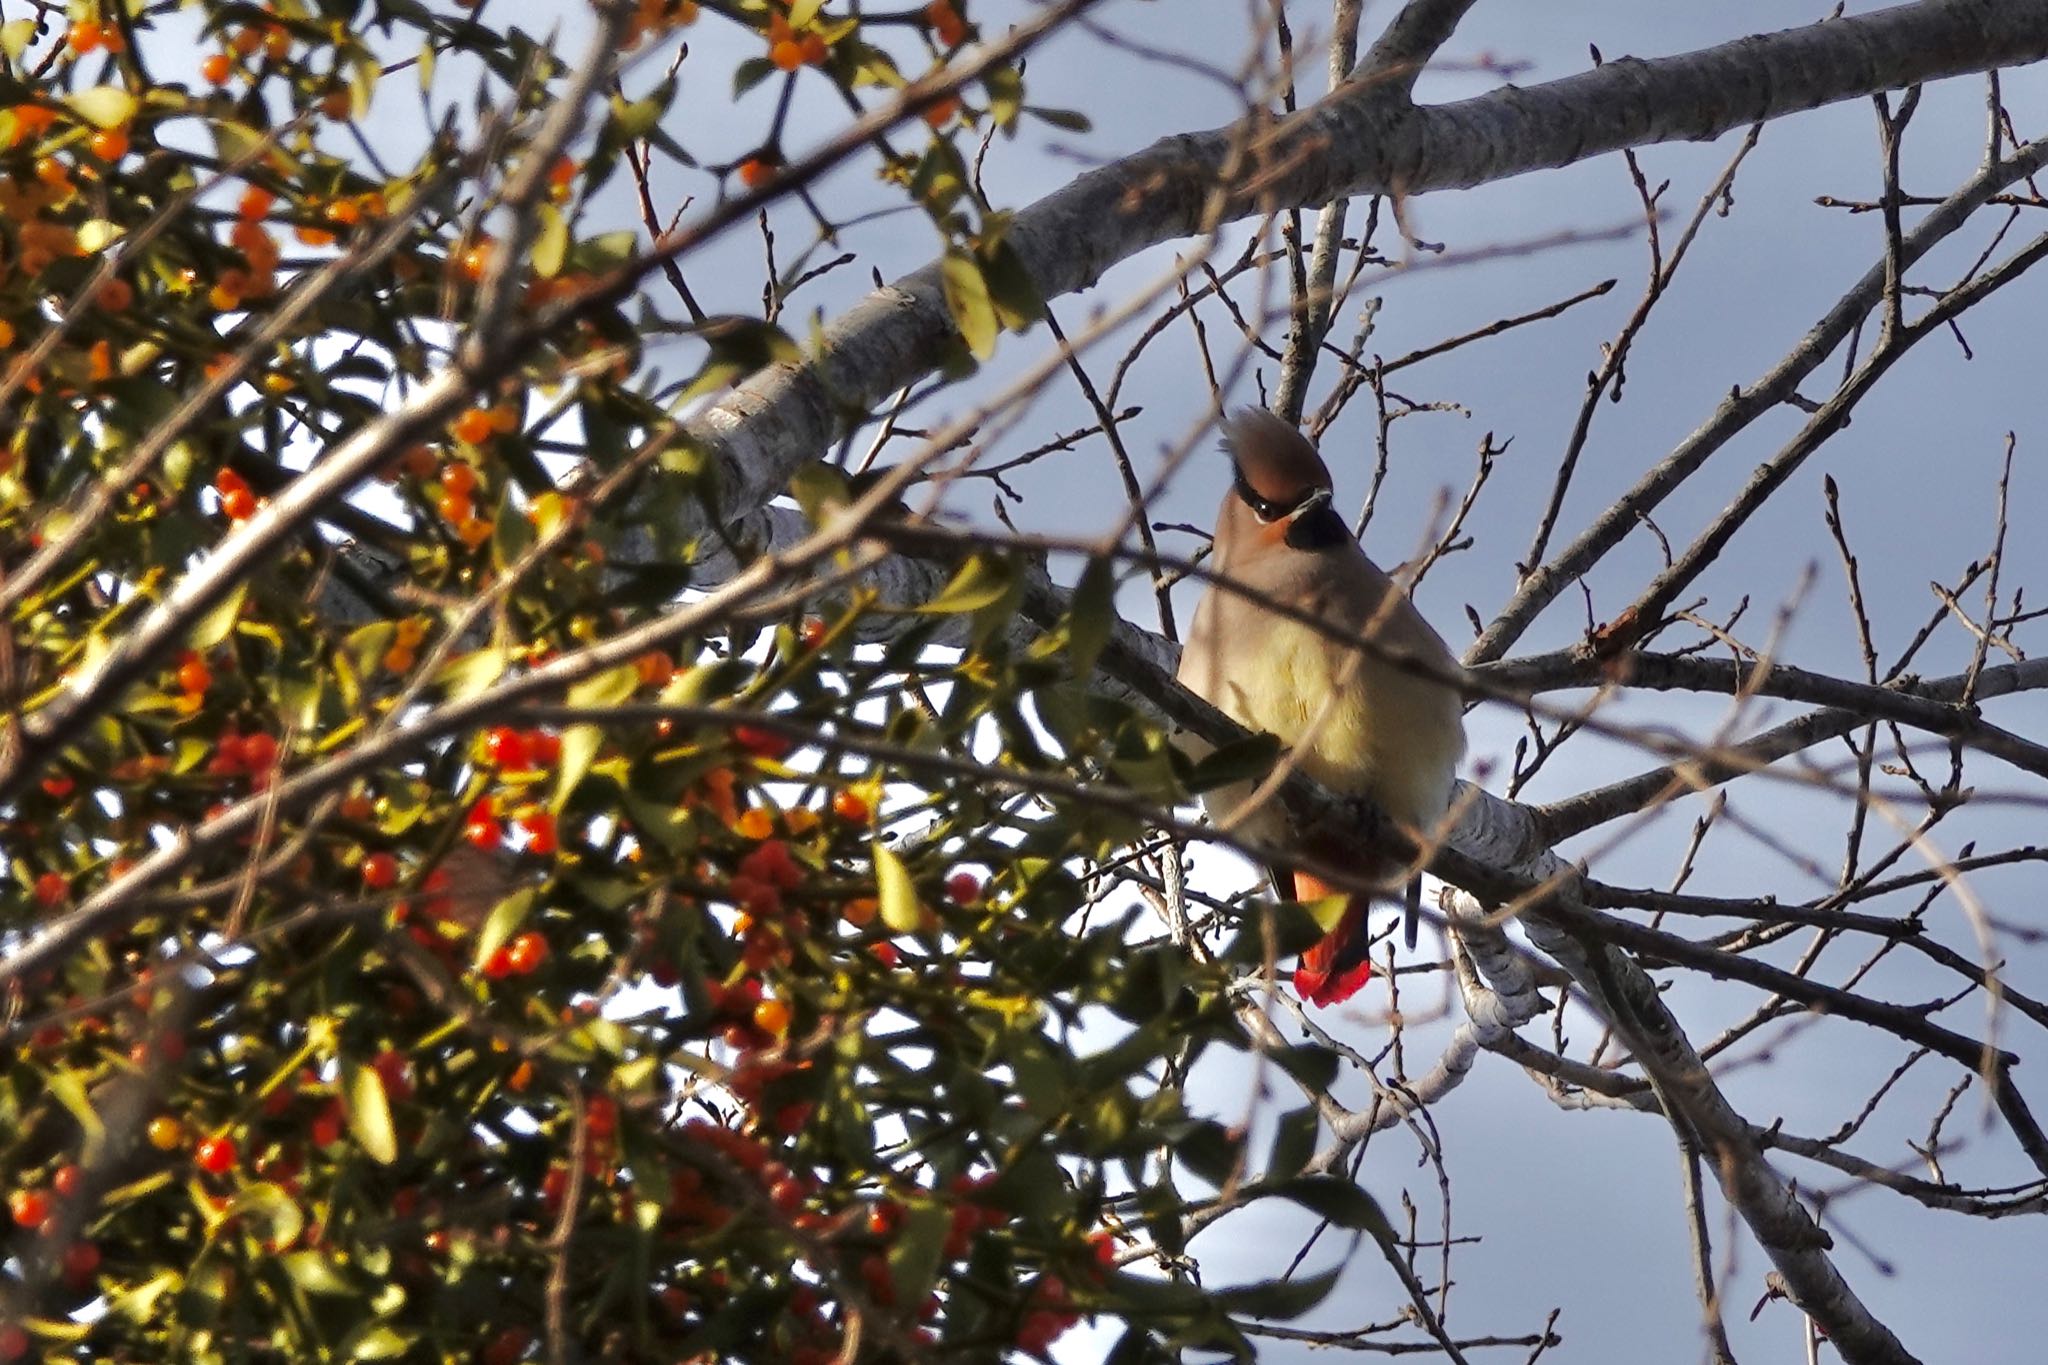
[(1319, 528)]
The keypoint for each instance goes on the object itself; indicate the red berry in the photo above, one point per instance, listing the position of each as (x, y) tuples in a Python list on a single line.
[(258, 752), (380, 871), (326, 1127), (392, 1069), (540, 833), (69, 1180), (498, 965), (527, 952), (215, 1155), (29, 1207), (52, 889), (507, 1347), (545, 747), (507, 747), (239, 505), (14, 1342), (81, 1262), (763, 742), (963, 888), (481, 828)]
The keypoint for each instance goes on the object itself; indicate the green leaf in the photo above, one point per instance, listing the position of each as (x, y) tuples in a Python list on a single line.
[(1241, 760), (215, 625), (980, 581), (551, 243), (468, 674), (920, 1243), (1093, 612), (818, 488), (369, 1113), (314, 1274), (580, 742), (1279, 1298), (1005, 87), (104, 106), (1011, 288), (15, 36), (506, 916), (899, 907), (1338, 1200), (749, 74), (1069, 119), (967, 299), (69, 1088), (1293, 1144), (282, 1213), (376, 1341)]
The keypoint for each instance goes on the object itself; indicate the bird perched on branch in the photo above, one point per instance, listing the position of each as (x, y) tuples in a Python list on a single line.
[(1355, 719)]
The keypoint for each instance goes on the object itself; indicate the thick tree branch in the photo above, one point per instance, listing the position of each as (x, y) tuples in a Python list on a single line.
[(1364, 138)]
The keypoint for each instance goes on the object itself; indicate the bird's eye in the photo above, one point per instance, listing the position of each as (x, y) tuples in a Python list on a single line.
[(1266, 509), (1270, 510)]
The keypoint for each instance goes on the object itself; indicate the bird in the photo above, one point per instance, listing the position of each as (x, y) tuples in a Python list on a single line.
[(1351, 719)]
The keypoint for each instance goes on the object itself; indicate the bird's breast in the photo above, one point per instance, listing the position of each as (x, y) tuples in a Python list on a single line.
[(1355, 723)]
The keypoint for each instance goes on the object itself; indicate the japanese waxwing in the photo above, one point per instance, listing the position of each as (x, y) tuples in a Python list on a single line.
[(1352, 720)]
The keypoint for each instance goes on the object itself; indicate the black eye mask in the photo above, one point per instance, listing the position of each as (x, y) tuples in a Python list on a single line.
[(1266, 508), (1312, 527)]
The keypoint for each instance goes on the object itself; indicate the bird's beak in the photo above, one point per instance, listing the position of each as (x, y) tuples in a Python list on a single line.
[(1308, 504)]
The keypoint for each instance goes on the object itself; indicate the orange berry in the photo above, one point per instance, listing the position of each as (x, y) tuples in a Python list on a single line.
[(475, 260), (313, 236), (850, 806), (398, 659), (860, 911), (6, 334), (455, 508), (946, 22), (942, 113), (165, 1133), (473, 531), (256, 203), (472, 425), (115, 295), (757, 171), (193, 675), (100, 359), (562, 172), (52, 889), (277, 42), (247, 40), (217, 68), (239, 505), (505, 418), (814, 49), (787, 55), (772, 1016), (336, 104), (755, 823), (655, 668), (85, 36), (110, 144), (459, 479)]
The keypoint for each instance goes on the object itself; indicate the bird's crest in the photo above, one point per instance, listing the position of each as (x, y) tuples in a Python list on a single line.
[(1274, 461)]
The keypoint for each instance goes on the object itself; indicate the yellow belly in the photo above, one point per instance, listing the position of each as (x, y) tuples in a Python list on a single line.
[(1383, 734)]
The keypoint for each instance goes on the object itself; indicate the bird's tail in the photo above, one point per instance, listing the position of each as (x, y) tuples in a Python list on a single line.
[(1333, 970)]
